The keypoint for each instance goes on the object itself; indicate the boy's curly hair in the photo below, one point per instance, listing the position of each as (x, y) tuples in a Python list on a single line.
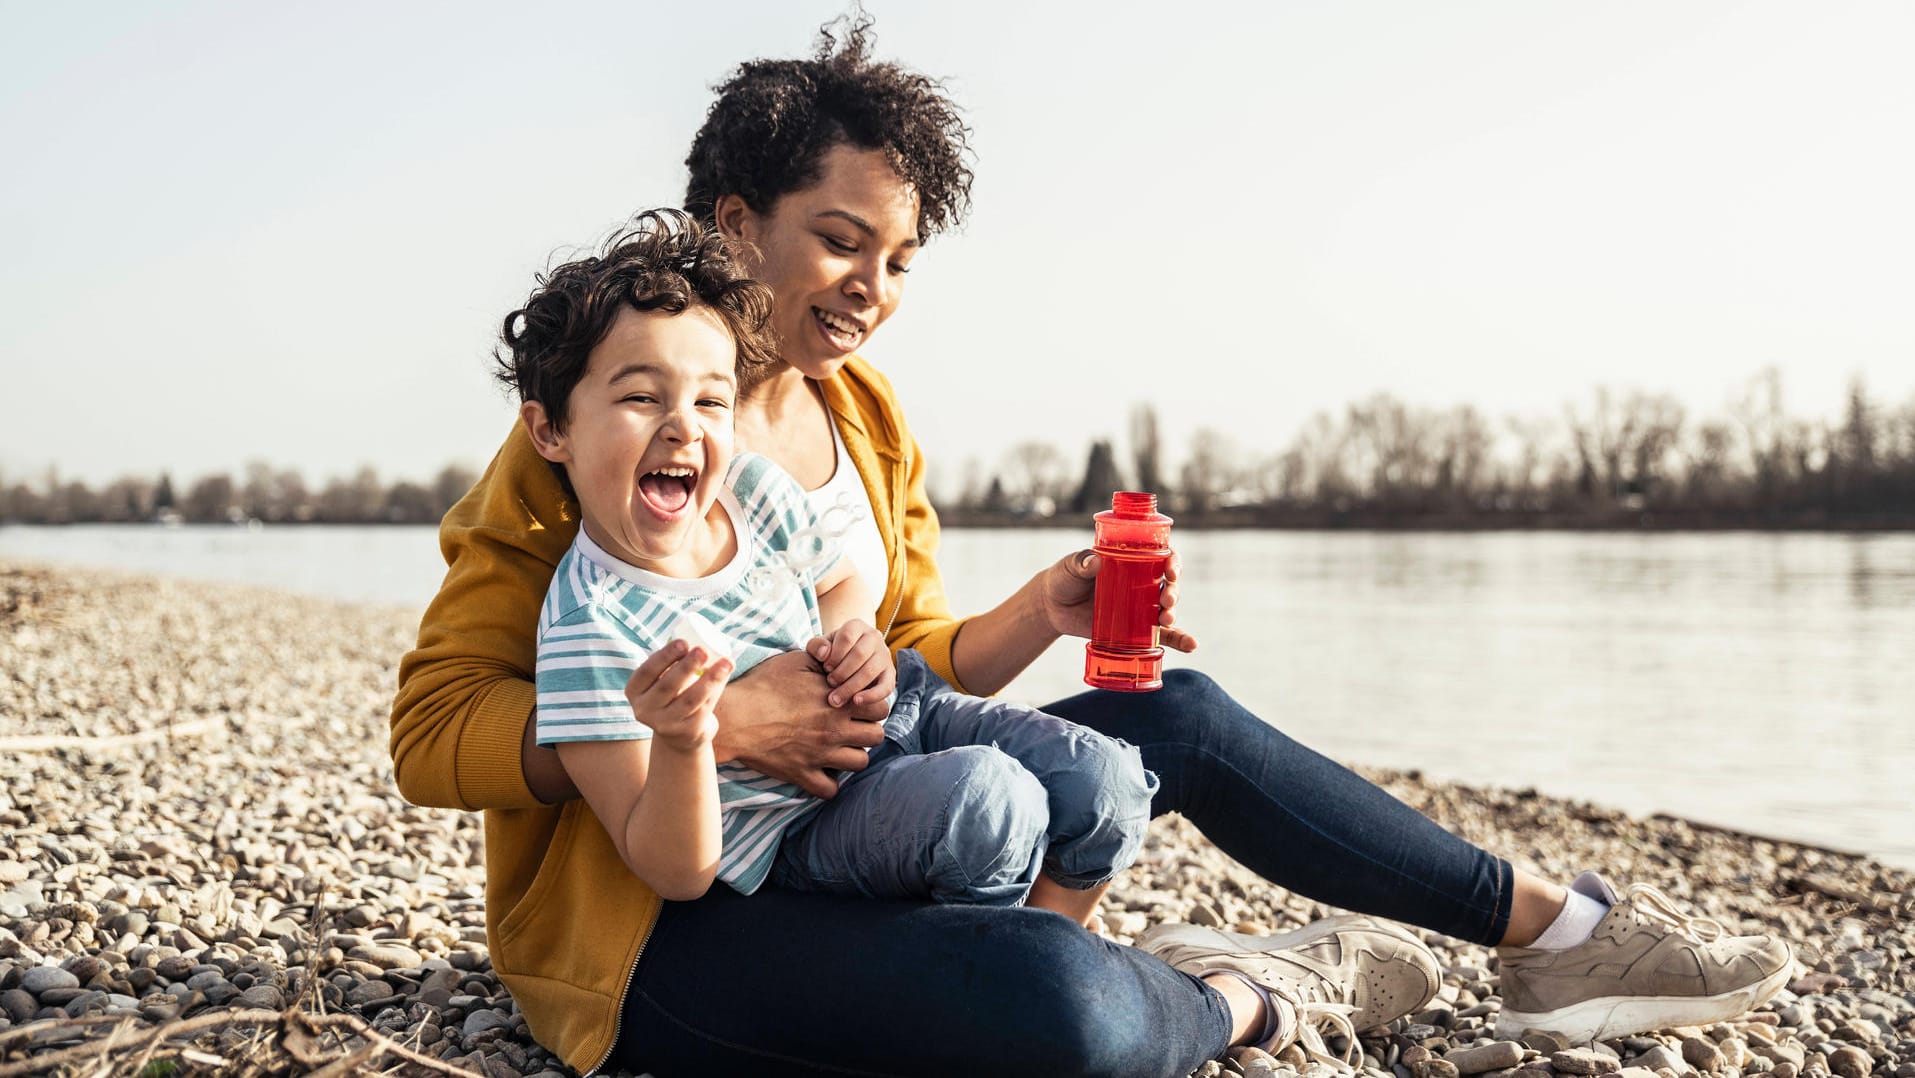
[(768, 131), (662, 261)]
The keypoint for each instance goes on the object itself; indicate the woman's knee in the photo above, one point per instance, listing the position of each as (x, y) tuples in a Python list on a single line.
[(1184, 687), (993, 832)]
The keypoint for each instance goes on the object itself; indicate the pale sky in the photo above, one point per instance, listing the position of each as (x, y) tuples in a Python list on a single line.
[(243, 231)]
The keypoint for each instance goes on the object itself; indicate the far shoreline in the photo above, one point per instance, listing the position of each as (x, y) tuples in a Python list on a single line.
[(1666, 524)]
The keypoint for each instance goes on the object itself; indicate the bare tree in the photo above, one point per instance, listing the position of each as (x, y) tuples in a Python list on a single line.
[(1209, 473), (211, 499), (1036, 470), (1146, 448), (1758, 413), (450, 485)]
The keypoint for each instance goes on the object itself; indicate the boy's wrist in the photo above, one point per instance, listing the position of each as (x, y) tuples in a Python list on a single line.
[(689, 750)]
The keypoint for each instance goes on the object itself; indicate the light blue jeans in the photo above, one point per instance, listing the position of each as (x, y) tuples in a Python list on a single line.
[(966, 800)]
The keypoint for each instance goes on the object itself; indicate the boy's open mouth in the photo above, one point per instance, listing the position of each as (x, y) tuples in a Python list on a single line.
[(668, 490)]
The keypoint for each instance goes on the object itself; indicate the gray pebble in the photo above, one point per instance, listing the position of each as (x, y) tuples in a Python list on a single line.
[(60, 997), (1496, 1055), (19, 1004), (386, 955), (1545, 1041), (1702, 1054), (85, 1002), (263, 996), (175, 967), (480, 1021), (1581, 1061), (1659, 1057), (366, 992), (205, 979), (41, 978)]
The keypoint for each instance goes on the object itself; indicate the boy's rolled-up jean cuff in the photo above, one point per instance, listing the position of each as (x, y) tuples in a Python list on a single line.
[(1112, 820)]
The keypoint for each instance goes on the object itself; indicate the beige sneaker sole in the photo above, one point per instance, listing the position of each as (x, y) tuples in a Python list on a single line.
[(1623, 1016)]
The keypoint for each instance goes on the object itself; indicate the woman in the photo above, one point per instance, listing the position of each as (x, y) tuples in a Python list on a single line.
[(838, 170)]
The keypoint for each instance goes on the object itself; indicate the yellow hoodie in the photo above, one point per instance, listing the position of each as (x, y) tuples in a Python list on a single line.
[(565, 919)]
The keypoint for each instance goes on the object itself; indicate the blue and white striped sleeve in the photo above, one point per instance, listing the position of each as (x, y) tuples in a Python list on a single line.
[(585, 659)]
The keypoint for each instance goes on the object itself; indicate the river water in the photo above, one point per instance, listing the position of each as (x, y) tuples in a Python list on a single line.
[(1760, 681)]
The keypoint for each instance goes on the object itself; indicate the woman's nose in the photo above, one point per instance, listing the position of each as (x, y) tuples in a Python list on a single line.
[(870, 284)]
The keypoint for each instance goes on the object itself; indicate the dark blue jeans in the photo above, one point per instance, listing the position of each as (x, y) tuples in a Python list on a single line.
[(791, 983)]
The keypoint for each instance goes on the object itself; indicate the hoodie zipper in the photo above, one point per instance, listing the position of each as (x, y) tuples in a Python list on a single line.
[(631, 974), (898, 471)]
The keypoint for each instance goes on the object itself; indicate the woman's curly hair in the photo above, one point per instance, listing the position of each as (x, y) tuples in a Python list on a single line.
[(767, 133), (663, 261)]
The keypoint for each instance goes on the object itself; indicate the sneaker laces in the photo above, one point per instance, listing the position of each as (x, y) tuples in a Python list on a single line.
[(1315, 1018), (1653, 905)]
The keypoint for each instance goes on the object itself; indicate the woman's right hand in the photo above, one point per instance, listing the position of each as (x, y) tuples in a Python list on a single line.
[(777, 720)]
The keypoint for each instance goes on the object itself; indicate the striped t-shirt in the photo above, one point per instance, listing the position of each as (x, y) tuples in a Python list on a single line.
[(602, 617)]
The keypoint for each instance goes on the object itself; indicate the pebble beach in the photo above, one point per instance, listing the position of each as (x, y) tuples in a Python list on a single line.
[(205, 868)]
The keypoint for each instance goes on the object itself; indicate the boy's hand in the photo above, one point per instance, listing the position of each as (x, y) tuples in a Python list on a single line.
[(857, 664), (674, 690)]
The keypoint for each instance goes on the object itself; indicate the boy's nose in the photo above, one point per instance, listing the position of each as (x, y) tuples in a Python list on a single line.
[(681, 426)]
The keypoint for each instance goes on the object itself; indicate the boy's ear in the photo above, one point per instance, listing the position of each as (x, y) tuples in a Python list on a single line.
[(546, 437)]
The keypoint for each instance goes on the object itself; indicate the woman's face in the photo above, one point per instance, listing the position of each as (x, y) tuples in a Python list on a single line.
[(834, 254)]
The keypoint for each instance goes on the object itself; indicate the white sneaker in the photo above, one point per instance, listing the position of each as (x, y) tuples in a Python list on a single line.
[(1339, 975)]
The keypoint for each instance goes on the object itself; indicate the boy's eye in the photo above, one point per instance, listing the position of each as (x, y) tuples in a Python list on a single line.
[(714, 402), (638, 398)]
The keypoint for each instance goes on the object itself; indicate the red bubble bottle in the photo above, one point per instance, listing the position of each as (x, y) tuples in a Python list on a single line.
[(1133, 541)]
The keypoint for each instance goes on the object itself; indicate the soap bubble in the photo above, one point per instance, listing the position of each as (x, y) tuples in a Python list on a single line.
[(809, 548)]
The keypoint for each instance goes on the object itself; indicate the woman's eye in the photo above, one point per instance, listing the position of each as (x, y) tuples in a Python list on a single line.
[(840, 246), (898, 270)]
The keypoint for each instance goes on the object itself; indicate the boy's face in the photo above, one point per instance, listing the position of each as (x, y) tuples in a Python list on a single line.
[(649, 437)]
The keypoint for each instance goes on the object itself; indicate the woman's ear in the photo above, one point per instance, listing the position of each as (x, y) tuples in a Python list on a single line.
[(546, 437), (735, 219)]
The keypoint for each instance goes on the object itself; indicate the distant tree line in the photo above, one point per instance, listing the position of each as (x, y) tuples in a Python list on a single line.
[(1615, 459), (264, 493)]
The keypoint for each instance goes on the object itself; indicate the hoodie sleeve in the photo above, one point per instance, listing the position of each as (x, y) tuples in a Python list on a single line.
[(466, 692)]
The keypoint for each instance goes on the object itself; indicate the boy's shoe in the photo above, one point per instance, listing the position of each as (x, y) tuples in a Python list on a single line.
[(1648, 965), (1342, 974)]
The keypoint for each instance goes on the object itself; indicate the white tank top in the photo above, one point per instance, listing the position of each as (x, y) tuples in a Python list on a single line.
[(862, 544)]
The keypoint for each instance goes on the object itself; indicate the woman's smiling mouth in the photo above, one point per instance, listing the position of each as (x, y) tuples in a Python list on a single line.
[(841, 331)]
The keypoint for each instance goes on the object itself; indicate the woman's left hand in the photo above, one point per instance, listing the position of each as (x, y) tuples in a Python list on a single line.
[(1070, 588)]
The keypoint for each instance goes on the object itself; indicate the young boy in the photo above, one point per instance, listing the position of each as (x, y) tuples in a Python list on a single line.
[(629, 366)]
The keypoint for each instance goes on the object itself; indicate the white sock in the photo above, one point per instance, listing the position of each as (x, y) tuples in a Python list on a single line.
[(1579, 917)]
